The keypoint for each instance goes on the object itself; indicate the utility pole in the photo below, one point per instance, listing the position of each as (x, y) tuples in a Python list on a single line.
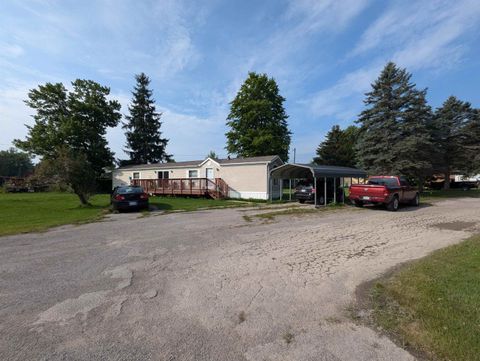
[(294, 154)]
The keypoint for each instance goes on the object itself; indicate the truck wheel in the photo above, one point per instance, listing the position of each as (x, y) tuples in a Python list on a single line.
[(358, 204), (394, 204), (416, 201)]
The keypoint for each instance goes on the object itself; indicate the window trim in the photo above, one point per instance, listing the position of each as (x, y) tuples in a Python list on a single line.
[(163, 172), (192, 170)]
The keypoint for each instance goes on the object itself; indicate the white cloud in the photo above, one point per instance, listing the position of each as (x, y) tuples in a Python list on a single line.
[(11, 50), (331, 15), (415, 35), (341, 100), (14, 114), (421, 34), (302, 20)]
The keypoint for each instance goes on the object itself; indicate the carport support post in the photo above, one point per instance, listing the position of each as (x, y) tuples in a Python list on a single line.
[(316, 190), (290, 189), (334, 190), (343, 190), (325, 191), (270, 185)]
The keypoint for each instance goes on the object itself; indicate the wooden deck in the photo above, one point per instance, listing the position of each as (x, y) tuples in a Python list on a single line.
[(204, 187)]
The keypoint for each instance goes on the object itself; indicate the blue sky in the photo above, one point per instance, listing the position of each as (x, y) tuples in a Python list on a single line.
[(324, 54)]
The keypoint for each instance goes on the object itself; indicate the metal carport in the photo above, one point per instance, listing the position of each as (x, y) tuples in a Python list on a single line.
[(295, 171)]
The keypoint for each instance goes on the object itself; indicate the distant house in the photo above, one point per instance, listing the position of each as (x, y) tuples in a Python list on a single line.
[(218, 178), (462, 178)]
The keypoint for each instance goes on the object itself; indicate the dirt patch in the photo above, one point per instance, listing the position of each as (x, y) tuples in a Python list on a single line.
[(455, 226)]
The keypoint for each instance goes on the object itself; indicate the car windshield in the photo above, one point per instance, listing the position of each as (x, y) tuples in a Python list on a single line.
[(389, 182), (126, 190)]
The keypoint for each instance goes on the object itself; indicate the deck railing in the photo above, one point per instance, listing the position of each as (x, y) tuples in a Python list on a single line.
[(216, 188)]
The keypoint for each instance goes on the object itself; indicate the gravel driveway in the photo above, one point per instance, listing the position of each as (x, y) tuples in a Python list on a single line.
[(209, 285)]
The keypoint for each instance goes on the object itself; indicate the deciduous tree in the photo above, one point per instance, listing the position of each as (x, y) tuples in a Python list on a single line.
[(257, 120), (72, 125), (14, 163)]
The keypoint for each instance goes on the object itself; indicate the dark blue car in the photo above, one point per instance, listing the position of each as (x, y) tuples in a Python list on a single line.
[(129, 198)]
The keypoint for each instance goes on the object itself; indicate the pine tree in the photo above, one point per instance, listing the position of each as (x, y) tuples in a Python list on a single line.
[(338, 148), (456, 138), (257, 120), (394, 137), (144, 141), (414, 149), (212, 155)]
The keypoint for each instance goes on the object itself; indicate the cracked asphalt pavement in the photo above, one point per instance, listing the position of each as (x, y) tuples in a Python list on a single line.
[(210, 285)]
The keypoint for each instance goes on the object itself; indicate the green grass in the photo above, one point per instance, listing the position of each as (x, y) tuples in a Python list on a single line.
[(433, 305), (433, 195), (31, 212), (28, 212), (193, 204)]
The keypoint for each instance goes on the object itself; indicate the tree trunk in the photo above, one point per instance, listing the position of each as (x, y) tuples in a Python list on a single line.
[(446, 184), (421, 182), (83, 199)]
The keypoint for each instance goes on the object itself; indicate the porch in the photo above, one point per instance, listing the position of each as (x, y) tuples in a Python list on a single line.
[(215, 188)]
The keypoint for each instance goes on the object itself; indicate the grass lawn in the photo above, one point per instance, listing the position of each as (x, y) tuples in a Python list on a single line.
[(433, 305), (451, 193), (193, 204), (29, 212)]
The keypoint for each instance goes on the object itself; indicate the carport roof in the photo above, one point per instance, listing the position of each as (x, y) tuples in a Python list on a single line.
[(296, 170)]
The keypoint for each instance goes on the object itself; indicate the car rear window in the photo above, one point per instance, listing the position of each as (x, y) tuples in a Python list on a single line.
[(389, 182), (304, 185), (125, 190)]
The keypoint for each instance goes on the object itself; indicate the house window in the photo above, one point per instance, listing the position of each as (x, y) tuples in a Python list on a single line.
[(163, 174), (136, 175), (193, 173)]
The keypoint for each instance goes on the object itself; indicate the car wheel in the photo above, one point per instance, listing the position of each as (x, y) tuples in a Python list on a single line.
[(416, 201), (301, 201), (393, 205), (358, 204)]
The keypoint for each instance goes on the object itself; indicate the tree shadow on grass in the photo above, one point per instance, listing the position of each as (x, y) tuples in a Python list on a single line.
[(160, 207)]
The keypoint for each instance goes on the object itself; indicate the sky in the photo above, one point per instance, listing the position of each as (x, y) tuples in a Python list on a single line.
[(324, 55)]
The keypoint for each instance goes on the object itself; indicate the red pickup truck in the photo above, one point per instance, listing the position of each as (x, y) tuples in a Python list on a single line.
[(389, 190)]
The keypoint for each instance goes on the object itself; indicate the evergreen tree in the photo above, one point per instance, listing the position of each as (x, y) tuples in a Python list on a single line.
[(338, 148), (414, 149), (257, 120), (212, 155), (456, 135), (14, 163), (144, 141), (473, 141), (394, 136)]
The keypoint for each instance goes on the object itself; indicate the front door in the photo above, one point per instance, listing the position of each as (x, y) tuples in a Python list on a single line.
[(209, 173)]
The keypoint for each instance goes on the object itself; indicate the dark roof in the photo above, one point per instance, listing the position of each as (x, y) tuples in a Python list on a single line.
[(267, 159), (287, 171), (196, 163)]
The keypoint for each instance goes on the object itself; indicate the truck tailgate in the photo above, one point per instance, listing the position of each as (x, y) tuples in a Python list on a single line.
[(367, 191)]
